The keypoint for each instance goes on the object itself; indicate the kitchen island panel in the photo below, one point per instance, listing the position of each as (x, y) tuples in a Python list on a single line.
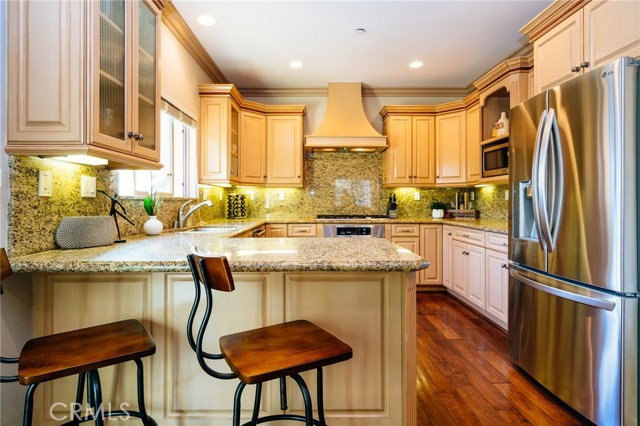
[(64, 302), (371, 311)]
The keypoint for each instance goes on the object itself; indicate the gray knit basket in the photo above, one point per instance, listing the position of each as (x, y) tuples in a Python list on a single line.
[(86, 231)]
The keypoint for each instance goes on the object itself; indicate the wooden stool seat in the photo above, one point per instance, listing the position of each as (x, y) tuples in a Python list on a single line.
[(280, 350), (65, 354)]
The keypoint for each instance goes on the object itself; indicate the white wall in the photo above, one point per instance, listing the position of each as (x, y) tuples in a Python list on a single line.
[(180, 74)]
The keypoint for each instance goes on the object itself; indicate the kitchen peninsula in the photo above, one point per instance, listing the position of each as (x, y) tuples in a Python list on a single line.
[(360, 289)]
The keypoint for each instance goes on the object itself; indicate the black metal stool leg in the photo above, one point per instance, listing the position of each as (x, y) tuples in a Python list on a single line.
[(283, 394), (308, 408), (256, 404), (146, 420), (96, 397), (77, 409), (236, 404), (28, 405), (320, 397)]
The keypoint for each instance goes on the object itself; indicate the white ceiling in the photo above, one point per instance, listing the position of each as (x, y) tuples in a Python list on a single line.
[(253, 42)]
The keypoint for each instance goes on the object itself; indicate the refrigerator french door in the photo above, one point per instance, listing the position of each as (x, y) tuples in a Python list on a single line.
[(573, 225)]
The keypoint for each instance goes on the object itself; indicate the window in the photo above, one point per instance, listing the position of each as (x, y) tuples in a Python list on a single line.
[(177, 154)]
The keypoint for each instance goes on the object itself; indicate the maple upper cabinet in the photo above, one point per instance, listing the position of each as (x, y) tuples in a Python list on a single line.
[(253, 147), (584, 38), (410, 157), (245, 142), (219, 140), (474, 162), (71, 94), (451, 148), (284, 150)]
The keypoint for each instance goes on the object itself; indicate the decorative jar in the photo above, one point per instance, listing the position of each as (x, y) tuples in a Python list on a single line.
[(153, 226)]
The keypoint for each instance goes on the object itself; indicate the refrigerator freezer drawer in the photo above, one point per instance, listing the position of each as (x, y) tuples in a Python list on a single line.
[(581, 345)]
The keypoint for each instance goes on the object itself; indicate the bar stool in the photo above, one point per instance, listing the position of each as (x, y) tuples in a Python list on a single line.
[(262, 354), (83, 352)]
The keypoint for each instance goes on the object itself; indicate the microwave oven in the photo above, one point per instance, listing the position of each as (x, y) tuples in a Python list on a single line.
[(495, 159)]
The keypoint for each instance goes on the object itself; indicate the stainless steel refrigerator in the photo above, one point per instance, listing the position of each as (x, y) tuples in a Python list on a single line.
[(573, 226)]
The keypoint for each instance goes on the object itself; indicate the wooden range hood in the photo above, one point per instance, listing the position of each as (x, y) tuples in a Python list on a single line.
[(345, 126)]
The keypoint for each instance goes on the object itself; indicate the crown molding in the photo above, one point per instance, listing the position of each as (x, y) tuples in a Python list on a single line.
[(549, 17), (366, 91), (231, 91), (179, 28), (503, 69)]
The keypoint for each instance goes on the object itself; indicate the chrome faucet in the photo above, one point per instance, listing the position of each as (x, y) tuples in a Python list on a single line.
[(182, 216)]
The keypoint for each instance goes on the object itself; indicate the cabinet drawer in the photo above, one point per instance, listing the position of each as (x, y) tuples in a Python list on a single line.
[(497, 242), (301, 230), (405, 230), (470, 236)]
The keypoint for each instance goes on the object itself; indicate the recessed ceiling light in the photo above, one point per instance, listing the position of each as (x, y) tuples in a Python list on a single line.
[(295, 64), (360, 31), (206, 20), (416, 64)]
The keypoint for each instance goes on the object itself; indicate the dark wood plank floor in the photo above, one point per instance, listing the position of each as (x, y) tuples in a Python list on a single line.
[(465, 376)]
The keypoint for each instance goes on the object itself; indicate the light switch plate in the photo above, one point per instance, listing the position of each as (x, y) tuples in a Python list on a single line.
[(281, 196), (416, 195), (87, 186), (45, 183), (506, 194)]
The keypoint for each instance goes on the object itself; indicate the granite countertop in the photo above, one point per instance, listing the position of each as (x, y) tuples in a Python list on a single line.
[(167, 253)]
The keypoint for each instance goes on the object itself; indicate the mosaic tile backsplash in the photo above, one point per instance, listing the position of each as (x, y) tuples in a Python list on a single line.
[(335, 183)]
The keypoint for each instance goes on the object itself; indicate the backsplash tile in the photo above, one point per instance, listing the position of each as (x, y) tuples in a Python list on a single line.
[(335, 183)]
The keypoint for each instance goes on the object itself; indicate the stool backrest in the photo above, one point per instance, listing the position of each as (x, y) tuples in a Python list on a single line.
[(5, 267), (209, 273)]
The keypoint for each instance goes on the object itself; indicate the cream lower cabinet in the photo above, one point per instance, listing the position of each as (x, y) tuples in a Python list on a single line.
[(374, 312), (426, 241), (475, 269), (276, 230), (598, 33)]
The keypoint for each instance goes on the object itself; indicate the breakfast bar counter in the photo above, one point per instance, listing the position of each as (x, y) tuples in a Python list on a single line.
[(361, 289)]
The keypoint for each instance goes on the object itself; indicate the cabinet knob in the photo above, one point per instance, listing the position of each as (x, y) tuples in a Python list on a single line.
[(437, 177), (505, 266), (298, 176), (140, 137), (584, 64), (264, 177), (135, 136), (575, 69), (449, 233)]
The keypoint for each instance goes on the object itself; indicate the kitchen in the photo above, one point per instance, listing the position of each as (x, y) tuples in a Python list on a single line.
[(31, 229)]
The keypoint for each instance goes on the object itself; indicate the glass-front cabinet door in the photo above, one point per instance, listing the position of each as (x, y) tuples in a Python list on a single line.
[(111, 79), (125, 92), (147, 97)]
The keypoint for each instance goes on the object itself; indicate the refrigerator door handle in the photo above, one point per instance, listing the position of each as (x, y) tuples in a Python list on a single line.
[(585, 300), (535, 189), (540, 180), (557, 185)]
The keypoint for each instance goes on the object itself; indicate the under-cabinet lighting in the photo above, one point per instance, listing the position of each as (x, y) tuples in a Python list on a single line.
[(87, 160), (362, 149), (483, 185)]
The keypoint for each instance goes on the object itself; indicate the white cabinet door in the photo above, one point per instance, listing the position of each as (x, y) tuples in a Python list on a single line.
[(459, 268), (475, 274), (447, 256), (497, 285)]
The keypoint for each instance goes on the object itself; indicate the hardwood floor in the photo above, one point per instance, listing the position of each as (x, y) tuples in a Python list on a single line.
[(465, 376)]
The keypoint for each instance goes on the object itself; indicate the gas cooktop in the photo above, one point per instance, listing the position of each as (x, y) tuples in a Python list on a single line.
[(351, 216)]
